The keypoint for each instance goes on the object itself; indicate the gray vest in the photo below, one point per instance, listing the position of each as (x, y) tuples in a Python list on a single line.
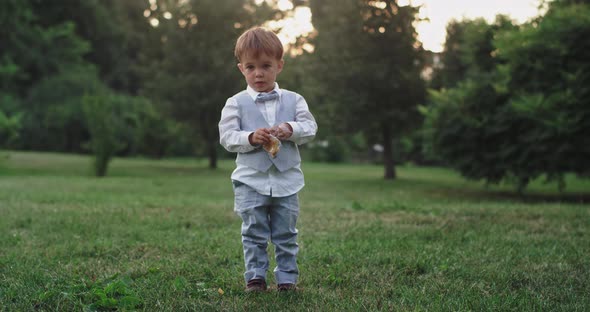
[(252, 119)]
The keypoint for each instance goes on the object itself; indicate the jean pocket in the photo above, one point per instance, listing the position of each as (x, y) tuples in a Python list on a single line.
[(245, 197)]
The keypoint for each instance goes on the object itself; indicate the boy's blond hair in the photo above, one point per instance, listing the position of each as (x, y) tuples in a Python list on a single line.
[(258, 40)]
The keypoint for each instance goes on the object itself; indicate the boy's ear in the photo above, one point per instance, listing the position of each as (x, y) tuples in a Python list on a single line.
[(241, 68), (280, 65)]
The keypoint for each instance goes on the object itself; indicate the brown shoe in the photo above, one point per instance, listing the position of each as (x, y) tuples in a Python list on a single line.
[(256, 285), (286, 287)]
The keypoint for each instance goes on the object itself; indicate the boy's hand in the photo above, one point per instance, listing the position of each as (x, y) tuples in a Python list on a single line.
[(259, 137), (282, 131)]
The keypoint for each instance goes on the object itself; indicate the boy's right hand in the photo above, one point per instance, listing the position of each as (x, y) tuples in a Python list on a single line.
[(259, 137)]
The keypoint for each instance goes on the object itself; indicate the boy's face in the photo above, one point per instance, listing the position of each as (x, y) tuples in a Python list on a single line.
[(260, 72)]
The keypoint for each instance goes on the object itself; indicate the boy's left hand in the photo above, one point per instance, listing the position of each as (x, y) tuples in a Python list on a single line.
[(282, 131)]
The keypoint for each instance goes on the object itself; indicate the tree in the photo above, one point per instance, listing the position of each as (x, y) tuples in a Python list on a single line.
[(527, 116), (53, 119), (194, 71), (369, 61), (113, 29), (54, 55), (8, 128), (31, 51), (104, 122), (549, 73), (468, 50), (453, 69), (31, 56), (118, 121)]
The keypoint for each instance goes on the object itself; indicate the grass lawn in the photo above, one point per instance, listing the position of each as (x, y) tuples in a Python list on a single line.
[(162, 236)]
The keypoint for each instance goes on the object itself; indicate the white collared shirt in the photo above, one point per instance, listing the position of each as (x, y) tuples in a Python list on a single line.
[(273, 182)]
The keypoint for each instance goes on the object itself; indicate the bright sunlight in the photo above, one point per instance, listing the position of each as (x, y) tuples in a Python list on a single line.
[(431, 31)]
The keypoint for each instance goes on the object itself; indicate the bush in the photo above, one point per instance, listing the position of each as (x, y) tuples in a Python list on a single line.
[(158, 135), (9, 127), (331, 150), (104, 123), (53, 119)]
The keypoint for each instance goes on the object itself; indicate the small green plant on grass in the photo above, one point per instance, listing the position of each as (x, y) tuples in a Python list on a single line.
[(114, 294)]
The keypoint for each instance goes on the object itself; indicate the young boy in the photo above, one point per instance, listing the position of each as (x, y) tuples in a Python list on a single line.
[(266, 185)]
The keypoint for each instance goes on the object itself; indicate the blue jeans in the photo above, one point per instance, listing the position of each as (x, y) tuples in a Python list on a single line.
[(263, 218)]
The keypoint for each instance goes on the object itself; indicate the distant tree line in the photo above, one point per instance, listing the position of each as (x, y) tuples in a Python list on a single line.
[(149, 77), (110, 77), (57, 55)]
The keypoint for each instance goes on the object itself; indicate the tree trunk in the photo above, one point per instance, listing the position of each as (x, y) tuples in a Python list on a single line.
[(388, 162), (212, 151), (211, 138)]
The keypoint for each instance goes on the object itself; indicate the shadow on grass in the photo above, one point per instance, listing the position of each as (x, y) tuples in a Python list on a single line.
[(481, 193), (536, 197), (464, 190)]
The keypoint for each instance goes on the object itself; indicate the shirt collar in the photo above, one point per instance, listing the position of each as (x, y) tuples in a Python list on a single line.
[(253, 93)]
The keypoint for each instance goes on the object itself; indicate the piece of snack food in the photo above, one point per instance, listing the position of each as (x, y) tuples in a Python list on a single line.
[(273, 147)]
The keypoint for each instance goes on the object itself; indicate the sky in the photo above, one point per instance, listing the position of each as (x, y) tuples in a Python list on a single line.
[(431, 33)]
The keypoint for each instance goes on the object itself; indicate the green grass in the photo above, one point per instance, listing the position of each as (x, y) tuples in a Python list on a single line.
[(162, 236)]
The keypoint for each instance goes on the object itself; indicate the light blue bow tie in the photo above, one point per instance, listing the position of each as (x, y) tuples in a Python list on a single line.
[(263, 97)]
